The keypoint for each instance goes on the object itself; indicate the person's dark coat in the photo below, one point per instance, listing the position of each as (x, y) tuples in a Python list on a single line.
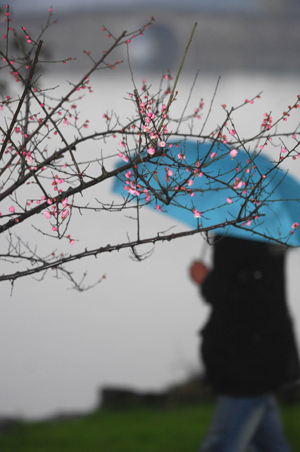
[(248, 343)]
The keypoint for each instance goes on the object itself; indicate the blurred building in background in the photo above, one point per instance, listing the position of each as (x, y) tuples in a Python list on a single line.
[(234, 36)]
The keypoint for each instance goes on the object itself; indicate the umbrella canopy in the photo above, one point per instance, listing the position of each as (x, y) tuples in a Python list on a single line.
[(207, 185)]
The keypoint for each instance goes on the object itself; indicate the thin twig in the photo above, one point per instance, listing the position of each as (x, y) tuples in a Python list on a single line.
[(27, 85), (210, 107), (177, 76)]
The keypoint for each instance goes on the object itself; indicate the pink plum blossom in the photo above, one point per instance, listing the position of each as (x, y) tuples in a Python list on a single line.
[(237, 184), (29, 160), (146, 128), (133, 191), (64, 213), (233, 153), (124, 157), (12, 209)]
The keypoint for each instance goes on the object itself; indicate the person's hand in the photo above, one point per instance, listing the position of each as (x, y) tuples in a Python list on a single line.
[(198, 272)]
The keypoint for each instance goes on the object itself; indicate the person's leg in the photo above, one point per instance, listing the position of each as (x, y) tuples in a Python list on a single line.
[(234, 423), (269, 436)]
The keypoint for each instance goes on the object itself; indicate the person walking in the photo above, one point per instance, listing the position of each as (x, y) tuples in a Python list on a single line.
[(248, 344)]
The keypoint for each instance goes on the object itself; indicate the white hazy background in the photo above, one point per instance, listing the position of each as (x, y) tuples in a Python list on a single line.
[(139, 327)]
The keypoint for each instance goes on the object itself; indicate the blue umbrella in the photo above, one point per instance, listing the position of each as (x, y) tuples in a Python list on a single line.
[(207, 185)]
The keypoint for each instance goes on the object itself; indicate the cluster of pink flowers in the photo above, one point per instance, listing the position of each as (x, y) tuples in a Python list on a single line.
[(140, 32), (294, 227), (267, 122), (238, 183), (55, 211), (60, 214), (133, 188), (58, 211), (7, 19), (197, 110), (197, 214), (123, 157), (220, 136), (85, 85), (151, 129), (169, 173), (57, 181), (296, 105)]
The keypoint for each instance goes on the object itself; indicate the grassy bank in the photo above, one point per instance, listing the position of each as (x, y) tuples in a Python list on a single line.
[(134, 430)]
